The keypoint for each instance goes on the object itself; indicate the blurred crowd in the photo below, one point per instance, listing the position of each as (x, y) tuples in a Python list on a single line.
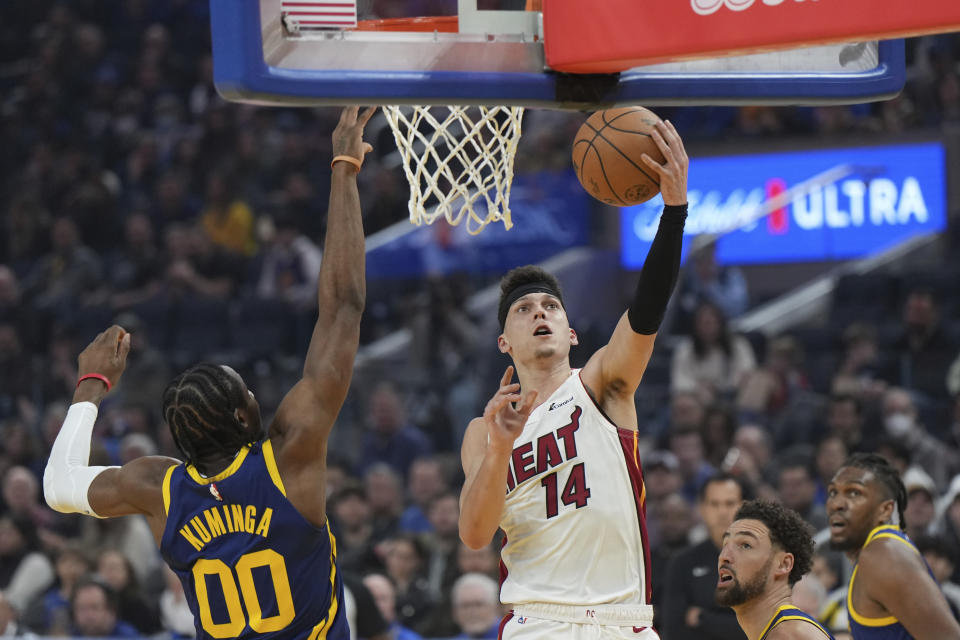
[(130, 192)]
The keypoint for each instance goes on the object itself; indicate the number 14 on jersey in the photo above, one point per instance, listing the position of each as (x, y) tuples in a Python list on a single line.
[(575, 491)]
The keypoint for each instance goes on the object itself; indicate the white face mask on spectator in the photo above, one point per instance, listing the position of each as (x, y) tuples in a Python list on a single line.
[(898, 424)]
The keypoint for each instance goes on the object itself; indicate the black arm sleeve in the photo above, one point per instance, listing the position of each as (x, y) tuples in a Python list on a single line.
[(659, 274)]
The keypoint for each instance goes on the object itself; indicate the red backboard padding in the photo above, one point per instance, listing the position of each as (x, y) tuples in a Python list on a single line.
[(608, 36)]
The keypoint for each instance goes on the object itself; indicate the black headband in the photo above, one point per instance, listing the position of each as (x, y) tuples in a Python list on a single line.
[(518, 292)]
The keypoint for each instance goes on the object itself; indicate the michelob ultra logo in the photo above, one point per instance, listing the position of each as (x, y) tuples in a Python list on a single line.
[(779, 207), (706, 7)]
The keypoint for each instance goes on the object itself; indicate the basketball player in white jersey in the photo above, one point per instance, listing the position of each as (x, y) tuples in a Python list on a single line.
[(554, 462)]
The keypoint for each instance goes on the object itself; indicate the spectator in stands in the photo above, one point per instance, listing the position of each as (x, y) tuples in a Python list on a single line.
[(942, 560), (425, 481), (25, 226), (686, 443), (116, 571), (476, 607), (689, 609), (16, 372), (921, 509), (661, 476), (809, 595), (750, 459), (828, 567), (668, 533), (900, 420), (404, 559), (797, 487), (227, 219), (50, 614), (130, 536), (948, 520), (384, 489), (390, 438), (485, 560), (442, 542), (30, 324), (25, 572), (845, 420), (352, 524), (70, 270), (21, 496), (719, 425), (148, 372), (769, 389), (383, 594), (175, 611), (919, 358), (94, 610), (172, 202), (830, 453), (135, 270), (290, 262), (195, 265), (711, 357), (859, 366), (705, 280)]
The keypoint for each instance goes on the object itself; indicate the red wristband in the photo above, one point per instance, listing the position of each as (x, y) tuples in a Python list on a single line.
[(97, 376)]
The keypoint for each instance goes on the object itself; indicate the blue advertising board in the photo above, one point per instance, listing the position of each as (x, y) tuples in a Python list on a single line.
[(877, 198), (549, 211)]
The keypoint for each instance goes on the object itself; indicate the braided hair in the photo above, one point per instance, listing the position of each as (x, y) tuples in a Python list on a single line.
[(200, 407), (887, 475)]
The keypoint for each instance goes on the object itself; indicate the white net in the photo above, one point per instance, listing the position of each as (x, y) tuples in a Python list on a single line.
[(459, 162)]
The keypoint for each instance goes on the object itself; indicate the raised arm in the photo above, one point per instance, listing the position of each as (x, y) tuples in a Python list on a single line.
[(307, 413), (896, 576), (614, 372), (485, 454), (70, 485)]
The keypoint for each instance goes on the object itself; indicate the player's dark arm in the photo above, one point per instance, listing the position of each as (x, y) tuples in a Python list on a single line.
[(70, 485), (307, 413), (616, 369), (894, 575)]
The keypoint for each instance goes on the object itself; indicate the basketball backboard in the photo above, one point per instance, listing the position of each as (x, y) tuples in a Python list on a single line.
[(289, 52)]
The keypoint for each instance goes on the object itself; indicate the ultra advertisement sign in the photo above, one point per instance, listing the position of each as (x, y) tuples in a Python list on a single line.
[(833, 205)]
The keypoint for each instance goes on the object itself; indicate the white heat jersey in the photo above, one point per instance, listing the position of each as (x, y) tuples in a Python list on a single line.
[(575, 517)]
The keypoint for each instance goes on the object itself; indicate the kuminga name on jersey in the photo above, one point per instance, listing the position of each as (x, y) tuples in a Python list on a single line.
[(250, 564)]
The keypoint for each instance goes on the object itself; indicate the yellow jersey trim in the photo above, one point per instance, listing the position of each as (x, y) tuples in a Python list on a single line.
[(775, 622), (272, 469), (229, 471), (320, 631), (166, 488), (883, 531)]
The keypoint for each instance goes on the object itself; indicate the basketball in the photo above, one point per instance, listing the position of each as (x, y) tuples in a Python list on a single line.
[(607, 156)]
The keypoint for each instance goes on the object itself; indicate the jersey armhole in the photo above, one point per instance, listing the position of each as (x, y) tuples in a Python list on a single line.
[(166, 489), (272, 469)]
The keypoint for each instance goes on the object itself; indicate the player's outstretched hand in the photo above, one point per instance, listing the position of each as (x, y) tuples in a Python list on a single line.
[(348, 136), (106, 355), (673, 171), (504, 421)]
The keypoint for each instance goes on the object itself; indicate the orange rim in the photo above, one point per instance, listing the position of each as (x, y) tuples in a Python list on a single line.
[(443, 24)]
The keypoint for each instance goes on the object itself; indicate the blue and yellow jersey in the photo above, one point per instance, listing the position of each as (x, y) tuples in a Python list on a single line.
[(888, 628), (250, 564), (790, 612)]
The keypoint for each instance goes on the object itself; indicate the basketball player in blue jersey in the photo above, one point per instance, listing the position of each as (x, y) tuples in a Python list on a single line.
[(241, 521), (892, 594), (766, 550), (556, 467)]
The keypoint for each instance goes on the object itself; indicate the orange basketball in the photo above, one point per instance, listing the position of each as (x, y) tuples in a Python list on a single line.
[(607, 152)]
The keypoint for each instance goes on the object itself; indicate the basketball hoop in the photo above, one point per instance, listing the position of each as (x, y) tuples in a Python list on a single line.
[(459, 162), (457, 159)]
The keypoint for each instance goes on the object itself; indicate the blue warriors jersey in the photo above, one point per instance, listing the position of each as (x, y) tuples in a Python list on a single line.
[(889, 628), (789, 612), (250, 564)]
